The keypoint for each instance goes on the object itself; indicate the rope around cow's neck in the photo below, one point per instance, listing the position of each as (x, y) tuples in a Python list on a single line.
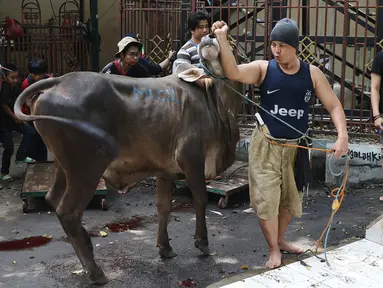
[(9, 70), (338, 197), (6, 69)]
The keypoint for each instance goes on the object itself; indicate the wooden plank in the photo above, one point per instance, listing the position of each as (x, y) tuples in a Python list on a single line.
[(234, 179), (39, 178)]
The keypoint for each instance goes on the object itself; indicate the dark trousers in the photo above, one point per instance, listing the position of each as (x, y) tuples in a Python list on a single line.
[(40, 152), (26, 146)]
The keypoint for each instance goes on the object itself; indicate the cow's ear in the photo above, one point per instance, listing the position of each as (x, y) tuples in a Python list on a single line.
[(192, 74)]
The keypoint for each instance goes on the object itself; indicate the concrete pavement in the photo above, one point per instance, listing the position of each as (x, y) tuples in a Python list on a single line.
[(130, 259)]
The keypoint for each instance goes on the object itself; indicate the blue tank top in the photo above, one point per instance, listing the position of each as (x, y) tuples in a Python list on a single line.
[(288, 98)]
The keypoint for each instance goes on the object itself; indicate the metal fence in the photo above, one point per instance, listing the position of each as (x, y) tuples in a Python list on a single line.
[(340, 37), (63, 48), (158, 23), (59, 41)]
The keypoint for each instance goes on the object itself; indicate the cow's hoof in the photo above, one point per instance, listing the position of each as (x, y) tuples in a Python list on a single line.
[(167, 253), (98, 278), (203, 246)]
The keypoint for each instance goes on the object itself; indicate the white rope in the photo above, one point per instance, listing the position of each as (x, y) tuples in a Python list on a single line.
[(9, 70)]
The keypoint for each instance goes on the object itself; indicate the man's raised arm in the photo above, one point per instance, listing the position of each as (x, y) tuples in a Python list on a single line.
[(249, 73)]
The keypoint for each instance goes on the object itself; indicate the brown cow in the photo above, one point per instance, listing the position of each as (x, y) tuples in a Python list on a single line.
[(124, 130)]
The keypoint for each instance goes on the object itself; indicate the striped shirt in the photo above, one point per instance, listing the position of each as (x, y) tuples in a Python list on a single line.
[(187, 54)]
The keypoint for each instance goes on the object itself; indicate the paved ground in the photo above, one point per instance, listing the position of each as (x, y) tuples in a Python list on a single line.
[(130, 259), (355, 265)]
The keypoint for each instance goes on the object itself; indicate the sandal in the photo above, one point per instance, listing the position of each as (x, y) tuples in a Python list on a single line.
[(6, 178), (26, 160)]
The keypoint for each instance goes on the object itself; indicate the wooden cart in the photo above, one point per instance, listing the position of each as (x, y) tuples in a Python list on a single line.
[(38, 179), (233, 180)]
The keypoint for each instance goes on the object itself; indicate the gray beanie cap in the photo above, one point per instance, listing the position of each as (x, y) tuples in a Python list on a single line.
[(286, 30)]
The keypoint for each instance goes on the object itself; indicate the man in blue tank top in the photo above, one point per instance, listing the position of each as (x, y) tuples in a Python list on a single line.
[(287, 86)]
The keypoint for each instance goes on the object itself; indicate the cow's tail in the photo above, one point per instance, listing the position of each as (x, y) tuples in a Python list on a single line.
[(86, 127), (32, 90)]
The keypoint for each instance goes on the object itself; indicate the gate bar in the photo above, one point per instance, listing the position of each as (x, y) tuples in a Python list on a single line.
[(95, 38), (379, 25)]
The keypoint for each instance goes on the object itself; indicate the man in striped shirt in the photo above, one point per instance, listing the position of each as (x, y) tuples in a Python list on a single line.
[(199, 26)]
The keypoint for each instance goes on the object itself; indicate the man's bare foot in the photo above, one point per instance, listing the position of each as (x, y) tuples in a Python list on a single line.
[(289, 248), (275, 259)]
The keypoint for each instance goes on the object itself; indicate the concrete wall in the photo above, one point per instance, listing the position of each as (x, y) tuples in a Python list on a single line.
[(365, 166), (365, 163)]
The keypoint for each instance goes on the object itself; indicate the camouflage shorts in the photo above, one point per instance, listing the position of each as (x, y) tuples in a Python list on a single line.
[(271, 176)]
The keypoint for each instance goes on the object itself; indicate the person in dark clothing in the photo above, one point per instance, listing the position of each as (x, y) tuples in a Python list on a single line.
[(37, 71), (9, 123), (129, 50), (153, 69)]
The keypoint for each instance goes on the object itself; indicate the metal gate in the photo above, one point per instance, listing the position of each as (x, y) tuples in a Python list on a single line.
[(160, 24), (340, 37), (60, 42)]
